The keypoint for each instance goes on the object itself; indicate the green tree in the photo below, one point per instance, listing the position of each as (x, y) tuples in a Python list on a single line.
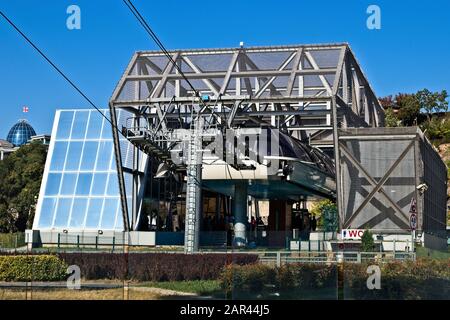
[(20, 181), (326, 211), (391, 120), (409, 108), (367, 243), (432, 101)]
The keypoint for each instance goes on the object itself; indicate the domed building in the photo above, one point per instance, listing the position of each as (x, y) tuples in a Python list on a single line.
[(20, 133)]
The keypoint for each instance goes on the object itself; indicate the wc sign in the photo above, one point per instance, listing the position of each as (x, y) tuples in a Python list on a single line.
[(352, 234)]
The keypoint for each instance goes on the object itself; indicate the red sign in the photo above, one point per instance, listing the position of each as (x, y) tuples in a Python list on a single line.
[(413, 206), (354, 234)]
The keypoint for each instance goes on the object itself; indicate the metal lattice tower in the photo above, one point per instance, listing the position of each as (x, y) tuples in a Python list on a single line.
[(193, 188)]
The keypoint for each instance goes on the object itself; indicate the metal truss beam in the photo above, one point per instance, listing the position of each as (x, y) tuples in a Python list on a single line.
[(308, 91)]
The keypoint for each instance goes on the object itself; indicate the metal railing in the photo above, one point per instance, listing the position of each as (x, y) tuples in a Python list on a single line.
[(12, 240), (279, 257)]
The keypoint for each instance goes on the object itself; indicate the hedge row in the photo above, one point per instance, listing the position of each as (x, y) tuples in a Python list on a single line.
[(154, 266), (260, 278), (424, 279), (32, 268)]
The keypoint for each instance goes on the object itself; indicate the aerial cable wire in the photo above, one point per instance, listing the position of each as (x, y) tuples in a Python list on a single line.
[(158, 42), (31, 43)]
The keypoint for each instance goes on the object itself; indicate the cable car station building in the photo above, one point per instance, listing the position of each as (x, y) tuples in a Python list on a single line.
[(203, 148)]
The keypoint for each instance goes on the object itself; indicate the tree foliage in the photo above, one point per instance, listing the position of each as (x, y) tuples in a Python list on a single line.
[(391, 120), (432, 102), (326, 210), (367, 243), (409, 108), (419, 108), (20, 181)]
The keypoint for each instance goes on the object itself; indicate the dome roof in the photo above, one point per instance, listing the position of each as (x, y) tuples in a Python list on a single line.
[(20, 133)]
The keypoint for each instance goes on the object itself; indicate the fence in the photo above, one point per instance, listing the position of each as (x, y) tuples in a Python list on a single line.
[(12, 240), (279, 257)]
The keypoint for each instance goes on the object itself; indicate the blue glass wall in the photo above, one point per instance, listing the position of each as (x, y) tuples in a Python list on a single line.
[(80, 188)]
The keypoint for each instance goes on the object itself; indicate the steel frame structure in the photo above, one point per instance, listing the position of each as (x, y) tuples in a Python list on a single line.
[(306, 91)]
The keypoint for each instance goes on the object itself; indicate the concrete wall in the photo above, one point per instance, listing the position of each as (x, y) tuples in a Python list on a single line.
[(37, 238)]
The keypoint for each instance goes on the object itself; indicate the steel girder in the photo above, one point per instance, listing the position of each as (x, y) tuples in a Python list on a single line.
[(307, 91), (243, 80)]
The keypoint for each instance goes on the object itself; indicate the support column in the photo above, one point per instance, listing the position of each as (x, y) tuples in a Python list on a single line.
[(194, 189), (240, 213), (218, 207), (135, 187), (337, 163)]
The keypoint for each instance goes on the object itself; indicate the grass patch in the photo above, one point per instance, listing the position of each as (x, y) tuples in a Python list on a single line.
[(200, 287), (65, 294)]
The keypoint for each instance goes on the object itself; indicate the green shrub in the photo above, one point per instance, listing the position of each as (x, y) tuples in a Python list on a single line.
[(258, 278), (422, 279), (32, 268), (249, 278)]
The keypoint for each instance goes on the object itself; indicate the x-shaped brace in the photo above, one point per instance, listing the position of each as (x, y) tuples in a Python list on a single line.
[(377, 187)]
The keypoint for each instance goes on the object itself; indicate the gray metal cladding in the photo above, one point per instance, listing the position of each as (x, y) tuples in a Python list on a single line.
[(397, 160)]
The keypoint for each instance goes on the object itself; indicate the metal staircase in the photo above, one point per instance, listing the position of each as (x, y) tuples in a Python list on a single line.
[(158, 146)]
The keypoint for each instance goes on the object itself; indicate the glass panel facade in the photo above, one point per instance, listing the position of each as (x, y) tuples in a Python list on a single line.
[(89, 156), (94, 129), (105, 151), (68, 184), (62, 212), (99, 184), (80, 188), (58, 156), (53, 183), (110, 210), (73, 156), (64, 125), (79, 125), (84, 184), (78, 212), (47, 212), (94, 213)]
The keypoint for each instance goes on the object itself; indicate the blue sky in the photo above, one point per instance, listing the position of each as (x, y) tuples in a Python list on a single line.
[(410, 51)]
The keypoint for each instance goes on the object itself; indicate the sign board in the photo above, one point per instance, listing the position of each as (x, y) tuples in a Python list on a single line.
[(413, 206), (413, 216), (352, 234), (413, 221)]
